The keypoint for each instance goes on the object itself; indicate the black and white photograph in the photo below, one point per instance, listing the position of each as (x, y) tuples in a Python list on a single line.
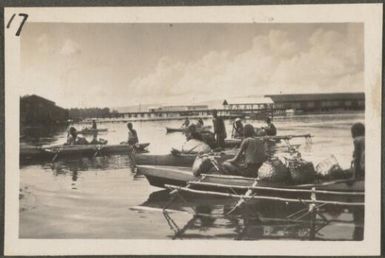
[(219, 126)]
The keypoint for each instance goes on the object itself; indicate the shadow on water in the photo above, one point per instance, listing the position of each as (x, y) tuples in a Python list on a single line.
[(255, 220)]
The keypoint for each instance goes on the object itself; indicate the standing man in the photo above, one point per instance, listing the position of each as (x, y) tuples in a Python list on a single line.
[(132, 135), (219, 130), (358, 163), (132, 141)]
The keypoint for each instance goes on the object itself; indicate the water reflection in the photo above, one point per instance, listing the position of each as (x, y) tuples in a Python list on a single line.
[(255, 220), (76, 198), (41, 135)]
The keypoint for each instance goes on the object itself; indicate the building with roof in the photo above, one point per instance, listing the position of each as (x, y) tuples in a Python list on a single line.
[(36, 110), (319, 102), (249, 103)]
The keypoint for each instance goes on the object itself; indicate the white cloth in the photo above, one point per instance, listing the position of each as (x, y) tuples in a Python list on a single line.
[(194, 145)]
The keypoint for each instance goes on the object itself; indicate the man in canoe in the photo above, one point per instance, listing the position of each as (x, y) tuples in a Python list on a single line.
[(186, 123), (358, 163), (219, 130), (94, 126), (200, 123), (74, 138), (250, 156), (237, 129), (194, 142), (270, 129)]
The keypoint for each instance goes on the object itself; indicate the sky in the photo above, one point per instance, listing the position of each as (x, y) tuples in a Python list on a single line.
[(111, 65)]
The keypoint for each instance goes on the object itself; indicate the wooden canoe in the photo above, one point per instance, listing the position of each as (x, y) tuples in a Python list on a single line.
[(91, 130), (163, 176), (68, 151), (180, 160), (182, 129)]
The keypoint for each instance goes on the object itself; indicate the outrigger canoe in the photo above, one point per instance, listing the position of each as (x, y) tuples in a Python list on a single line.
[(235, 142), (61, 151), (182, 179), (91, 130), (182, 129), (181, 160)]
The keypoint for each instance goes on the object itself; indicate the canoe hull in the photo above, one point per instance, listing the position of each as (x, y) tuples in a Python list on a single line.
[(174, 130), (69, 151), (160, 176), (92, 131)]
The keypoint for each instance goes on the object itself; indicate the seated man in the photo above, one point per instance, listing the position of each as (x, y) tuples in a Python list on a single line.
[(200, 123), (250, 156), (194, 143), (186, 123), (74, 138), (270, 129), (237, 129)]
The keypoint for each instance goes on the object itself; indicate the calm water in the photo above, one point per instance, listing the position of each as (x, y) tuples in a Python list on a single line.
[(100, 198)]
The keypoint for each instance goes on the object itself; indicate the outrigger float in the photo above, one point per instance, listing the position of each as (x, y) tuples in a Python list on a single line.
[(340, 192), (311, 198)]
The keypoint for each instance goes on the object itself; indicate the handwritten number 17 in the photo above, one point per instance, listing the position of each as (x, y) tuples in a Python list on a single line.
[(24, 15)]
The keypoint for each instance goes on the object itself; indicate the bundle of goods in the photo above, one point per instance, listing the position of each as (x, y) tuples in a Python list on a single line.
[(329, 169), (301, 171), (202, 164), (274, 170)]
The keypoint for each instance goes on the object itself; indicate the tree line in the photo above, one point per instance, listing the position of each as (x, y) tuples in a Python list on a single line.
[(77, 114)]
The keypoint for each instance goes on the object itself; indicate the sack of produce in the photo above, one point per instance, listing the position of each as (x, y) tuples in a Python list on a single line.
[(301, 171), (329, 169), (273, 170), (202, 164)]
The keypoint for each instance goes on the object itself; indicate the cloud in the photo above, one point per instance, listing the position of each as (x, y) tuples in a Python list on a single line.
[(276, 62), (70, 48)]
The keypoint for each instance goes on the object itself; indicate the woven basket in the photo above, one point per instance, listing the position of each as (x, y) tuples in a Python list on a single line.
[(301, 171)]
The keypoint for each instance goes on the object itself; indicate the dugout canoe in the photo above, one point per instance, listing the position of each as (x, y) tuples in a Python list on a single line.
[(180, 160), (182, 129), (73, 151), (91, 130), (181, 178)]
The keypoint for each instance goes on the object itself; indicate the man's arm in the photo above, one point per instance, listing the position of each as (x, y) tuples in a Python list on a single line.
[(239, 153)]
